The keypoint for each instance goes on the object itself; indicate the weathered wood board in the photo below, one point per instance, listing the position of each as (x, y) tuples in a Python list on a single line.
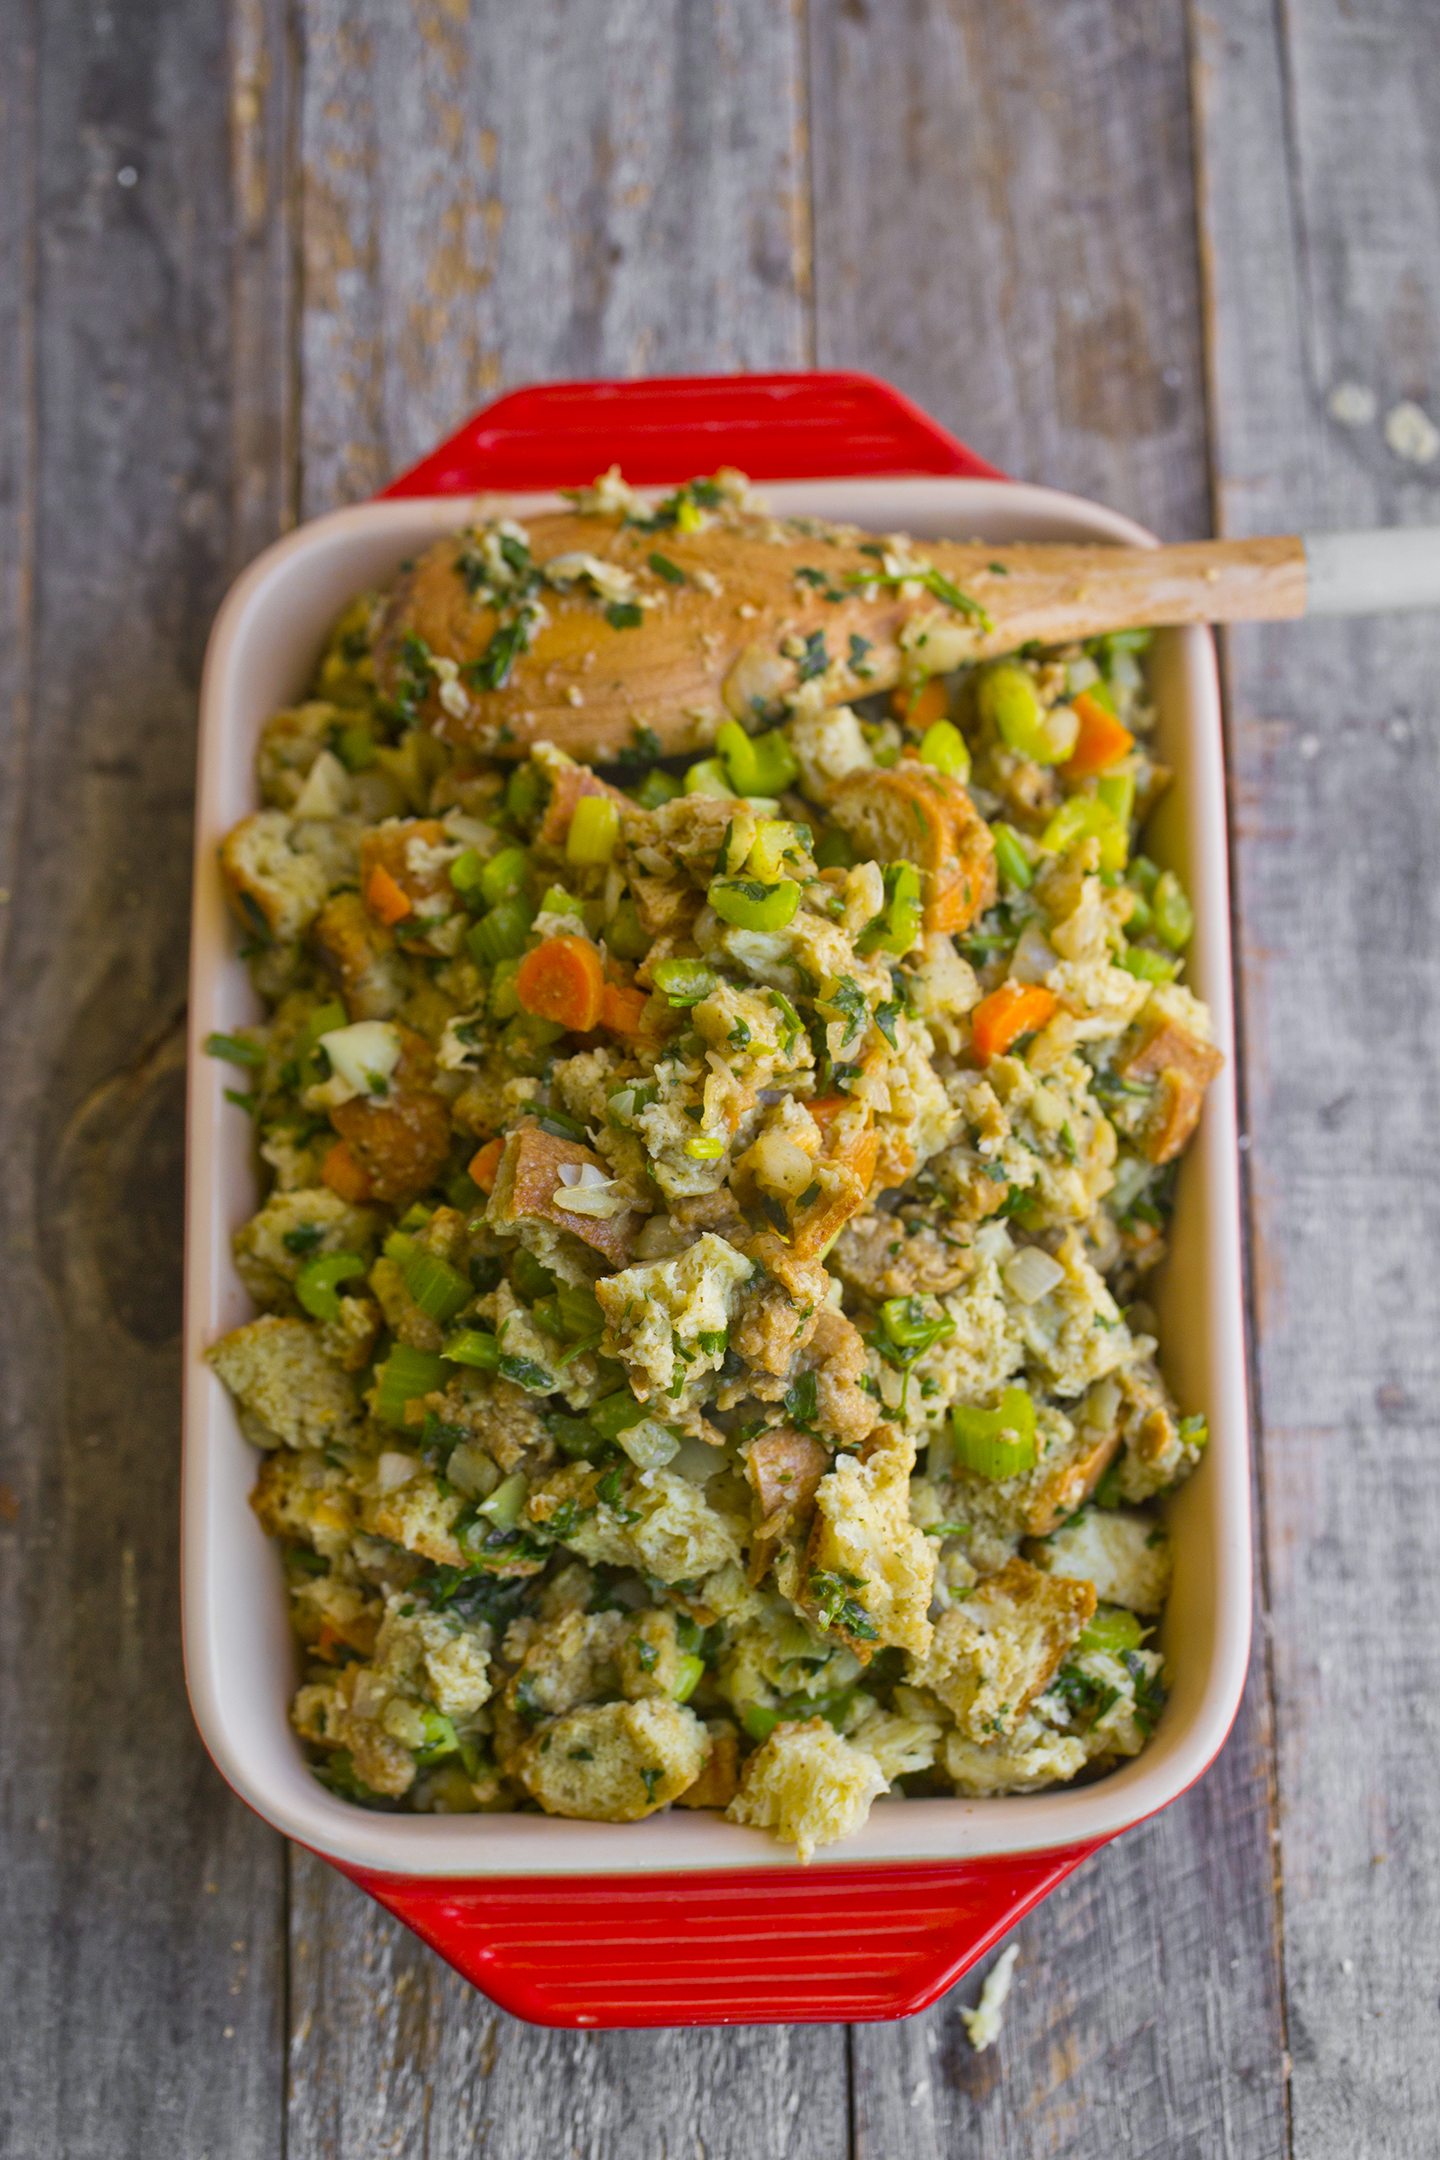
[(1071, 233), (1325, 268)]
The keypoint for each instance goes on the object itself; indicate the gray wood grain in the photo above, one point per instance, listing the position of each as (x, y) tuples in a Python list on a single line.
[(391, 2053), (506, 194), (1005, 224), (142, 1933), (1324, 269)]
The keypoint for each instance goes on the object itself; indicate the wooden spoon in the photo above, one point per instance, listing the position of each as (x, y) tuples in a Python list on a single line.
[(731, 620)]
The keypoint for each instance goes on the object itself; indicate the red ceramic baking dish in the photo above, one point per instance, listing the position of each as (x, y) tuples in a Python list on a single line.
[(687, 1918)]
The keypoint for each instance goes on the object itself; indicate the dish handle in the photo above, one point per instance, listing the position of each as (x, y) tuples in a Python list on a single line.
[(822, 425), (817, 1945)]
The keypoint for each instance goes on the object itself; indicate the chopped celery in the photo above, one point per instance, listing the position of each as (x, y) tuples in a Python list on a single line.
[(1148, 966), (472, 1346), (1008, 699), (999, 1443), (910, 1327), (437, 1288), (579, 1311), (1117, 792), (441, 1740), (624, 934), (316, 1282), (1010, 858), (522, 794), (709, 777), (530, 1279), (617, 1413), (503, 876), (406, 1374), (943, 746), (684, 982), (705, 1147), (234, 1050), (836, 851), (355, 747), (504, 1504), (747, 904), (657, 787), (1082, 817), (897, 926), (1174, 916), (756, 764), (325, 1020), (556, 901), (687, 1676), (467, 873), (500, 934), (594, 831), (776, 841), (1112, 1629), (504, 997)]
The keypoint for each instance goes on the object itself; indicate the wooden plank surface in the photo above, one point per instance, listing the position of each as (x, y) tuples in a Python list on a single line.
[(142, 1935), (347, 227), (1055, 324), (1326, 273), (497, 194)]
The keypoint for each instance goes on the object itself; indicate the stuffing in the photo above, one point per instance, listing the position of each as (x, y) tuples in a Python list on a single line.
[(914, 814), (900, 1743), (807, 1785), (398, 1141), (1032, 1757), (1073, 1335), (418, 1515), (303, 1499), (293, 1393), (669, 1320), (1126, 1557), (359, 956), (276, 885), (594, 1351), (865, 1553), (291, 1228), (995, 1653), (565, 1661), (717, 1783), (655, 1520), (613, 1762), (536, 1174)]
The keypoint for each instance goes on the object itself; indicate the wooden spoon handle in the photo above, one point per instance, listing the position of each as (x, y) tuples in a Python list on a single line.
[(729, 621)]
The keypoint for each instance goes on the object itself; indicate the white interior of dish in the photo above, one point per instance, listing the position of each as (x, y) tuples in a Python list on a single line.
[(240, 1657)]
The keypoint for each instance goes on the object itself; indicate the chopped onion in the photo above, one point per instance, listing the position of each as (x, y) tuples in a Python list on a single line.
[(1031, 1273), (394, 1469)]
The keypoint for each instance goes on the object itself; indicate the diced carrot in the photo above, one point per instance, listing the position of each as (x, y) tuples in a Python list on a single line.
[(387, 901), (919, 707), (623, 1009), (1013, 1010), (344, 1175), (484, 1164), (1102, 741), (563, 981)]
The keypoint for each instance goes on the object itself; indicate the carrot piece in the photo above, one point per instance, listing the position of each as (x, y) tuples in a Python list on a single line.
[(387, 901), (563, 981), (344, 1175), (919, 707), (623, 1010), (1102, 741), (485, 1163), (1009, 1012)]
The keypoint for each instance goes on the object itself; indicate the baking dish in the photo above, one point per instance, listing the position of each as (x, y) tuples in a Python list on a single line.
[(686, 1917)]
